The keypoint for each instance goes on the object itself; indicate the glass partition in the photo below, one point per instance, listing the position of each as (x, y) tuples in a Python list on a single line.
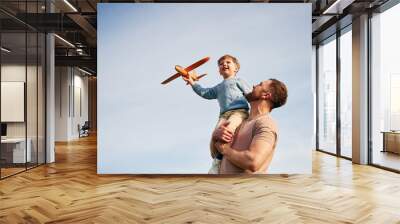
[(14, 154), (41, 87), (327, 95), (385, 89), (32, 95), (22, 78), (346, 93)]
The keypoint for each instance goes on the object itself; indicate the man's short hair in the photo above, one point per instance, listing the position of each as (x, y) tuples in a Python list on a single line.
[(279, 93), (235, 60)]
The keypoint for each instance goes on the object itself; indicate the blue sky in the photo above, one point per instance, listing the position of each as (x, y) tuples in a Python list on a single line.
[(146, 127)]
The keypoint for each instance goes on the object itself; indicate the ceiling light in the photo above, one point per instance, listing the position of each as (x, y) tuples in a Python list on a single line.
[(79, 51), (338, 6), (71, 6), (64, 40), (84, 71), (5, 49)]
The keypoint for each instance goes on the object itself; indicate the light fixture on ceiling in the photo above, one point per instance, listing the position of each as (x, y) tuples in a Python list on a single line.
[(5, 50), (337, 7), (70, 5), (64, 40), (80, 51), (84, 71)]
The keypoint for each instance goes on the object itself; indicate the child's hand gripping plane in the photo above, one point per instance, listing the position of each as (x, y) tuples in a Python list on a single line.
[(185, 71)]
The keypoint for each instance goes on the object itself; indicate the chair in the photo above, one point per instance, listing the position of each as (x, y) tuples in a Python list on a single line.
[(84, 130)]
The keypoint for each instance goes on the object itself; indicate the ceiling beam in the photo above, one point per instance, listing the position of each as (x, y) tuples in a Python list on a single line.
[(83, 61), (84, 24)]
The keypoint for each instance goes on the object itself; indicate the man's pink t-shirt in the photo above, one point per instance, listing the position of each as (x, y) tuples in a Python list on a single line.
[(262, 128)]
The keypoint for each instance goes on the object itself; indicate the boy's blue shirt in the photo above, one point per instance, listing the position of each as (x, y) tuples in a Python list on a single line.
[(229, 93)]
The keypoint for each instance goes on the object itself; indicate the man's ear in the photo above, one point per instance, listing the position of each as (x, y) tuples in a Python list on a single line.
[(266, 95)]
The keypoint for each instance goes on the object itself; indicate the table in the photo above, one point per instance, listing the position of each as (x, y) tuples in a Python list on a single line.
[(391, 141), (13, 150)]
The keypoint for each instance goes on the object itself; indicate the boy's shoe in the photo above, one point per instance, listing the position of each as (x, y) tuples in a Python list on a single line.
[(216, 164)]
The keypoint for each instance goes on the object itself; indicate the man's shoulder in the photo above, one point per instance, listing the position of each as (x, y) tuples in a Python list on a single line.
[(266, 122)]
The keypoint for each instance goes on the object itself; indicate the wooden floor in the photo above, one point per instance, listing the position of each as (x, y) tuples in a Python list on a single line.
[(5, 172), (388, 159), (70, 191)]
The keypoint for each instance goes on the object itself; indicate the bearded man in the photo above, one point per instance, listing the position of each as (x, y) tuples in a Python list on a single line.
[(251, 148)]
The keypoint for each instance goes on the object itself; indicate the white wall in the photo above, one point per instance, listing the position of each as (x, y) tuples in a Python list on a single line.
[(13, 101), (69, 84), (61, 103), (15, 72)]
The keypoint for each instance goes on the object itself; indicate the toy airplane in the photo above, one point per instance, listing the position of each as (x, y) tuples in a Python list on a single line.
[(185, 71)]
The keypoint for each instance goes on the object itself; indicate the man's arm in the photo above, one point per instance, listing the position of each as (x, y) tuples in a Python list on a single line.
[(223, 133), (260, 149)]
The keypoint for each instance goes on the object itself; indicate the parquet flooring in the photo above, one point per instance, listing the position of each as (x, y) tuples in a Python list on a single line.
[(10, 171), (70, 191)]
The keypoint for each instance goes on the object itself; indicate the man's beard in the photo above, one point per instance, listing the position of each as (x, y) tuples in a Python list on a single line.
[(251, 97)]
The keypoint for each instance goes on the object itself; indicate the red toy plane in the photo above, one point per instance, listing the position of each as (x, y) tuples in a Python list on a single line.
[(185, 71)]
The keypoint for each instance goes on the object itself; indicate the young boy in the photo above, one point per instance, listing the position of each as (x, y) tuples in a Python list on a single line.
[(230, 94)]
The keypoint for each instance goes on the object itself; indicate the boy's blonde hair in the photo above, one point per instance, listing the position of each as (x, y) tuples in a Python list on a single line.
[(235, 60)]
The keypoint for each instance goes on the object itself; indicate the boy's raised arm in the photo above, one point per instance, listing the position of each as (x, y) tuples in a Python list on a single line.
[(206, 93)]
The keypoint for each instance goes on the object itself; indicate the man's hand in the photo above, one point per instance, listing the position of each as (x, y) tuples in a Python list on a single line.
[(189, 78), (222, 147), (223, 133)]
